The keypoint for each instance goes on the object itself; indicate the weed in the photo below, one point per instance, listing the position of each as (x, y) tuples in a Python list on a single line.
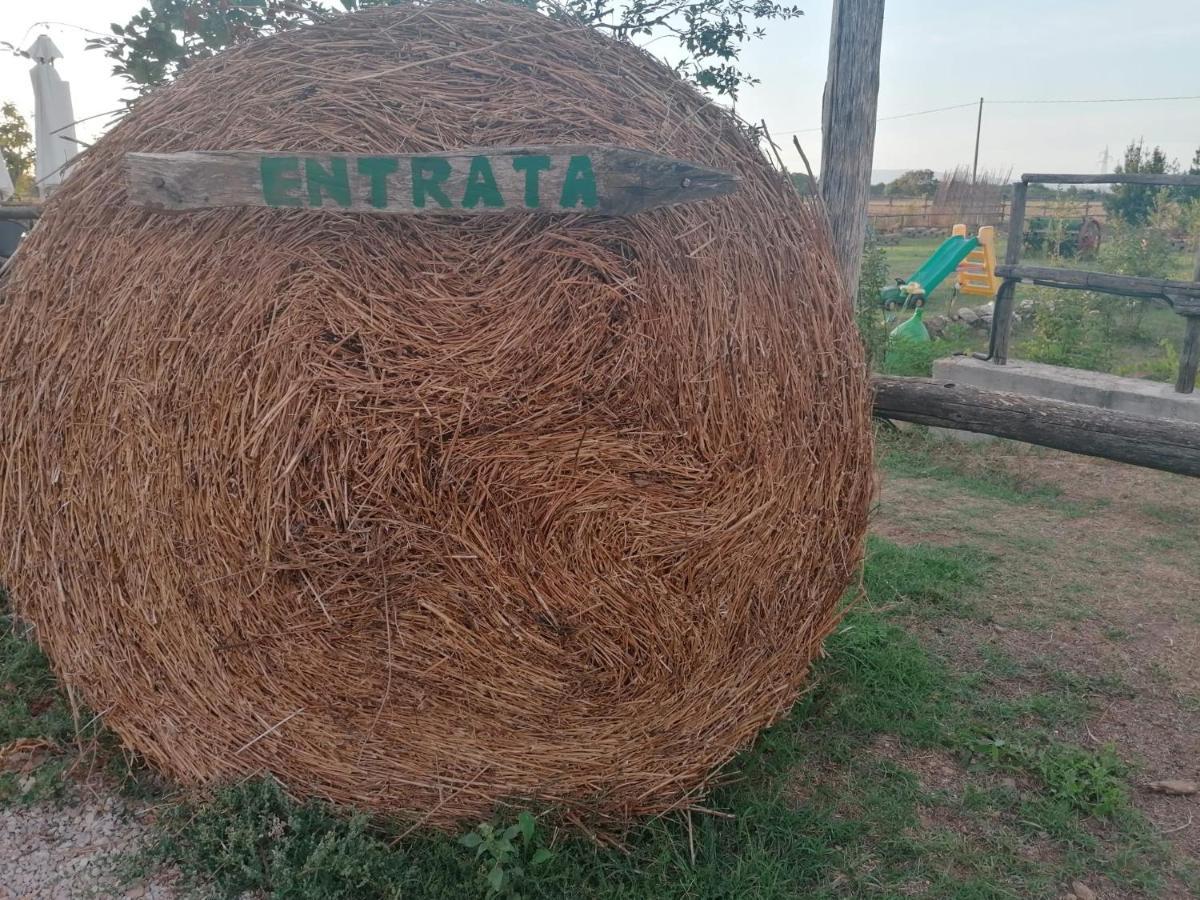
[(506, 858), (253, 837)]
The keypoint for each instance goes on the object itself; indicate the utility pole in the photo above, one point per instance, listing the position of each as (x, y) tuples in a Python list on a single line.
[(978, 131), (848, 128)]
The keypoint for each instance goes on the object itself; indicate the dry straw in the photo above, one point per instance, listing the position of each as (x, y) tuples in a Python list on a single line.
[(426, 515)]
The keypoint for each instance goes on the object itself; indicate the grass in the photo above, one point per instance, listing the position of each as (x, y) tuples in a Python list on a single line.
[(32, 709), (969, 468), (813, 809)]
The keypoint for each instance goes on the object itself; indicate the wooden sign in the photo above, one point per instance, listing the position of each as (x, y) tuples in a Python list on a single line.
[(610, 181)]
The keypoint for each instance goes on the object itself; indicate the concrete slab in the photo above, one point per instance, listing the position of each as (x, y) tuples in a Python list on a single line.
[(1131, 395)]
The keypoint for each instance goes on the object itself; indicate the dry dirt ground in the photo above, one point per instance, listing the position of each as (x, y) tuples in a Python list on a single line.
[(1096, 577)]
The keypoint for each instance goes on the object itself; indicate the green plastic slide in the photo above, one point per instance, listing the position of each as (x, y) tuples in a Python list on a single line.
[(942, 263)]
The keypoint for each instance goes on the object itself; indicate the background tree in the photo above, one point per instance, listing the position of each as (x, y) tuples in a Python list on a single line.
[(16, 142), (168, 35), (1133, 203), (914, 183), (1192, 194)]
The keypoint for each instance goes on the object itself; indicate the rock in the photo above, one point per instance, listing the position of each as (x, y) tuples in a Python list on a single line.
[(985, 310), (968, 315), (936, 325), (1174, 787), (1082, 891)]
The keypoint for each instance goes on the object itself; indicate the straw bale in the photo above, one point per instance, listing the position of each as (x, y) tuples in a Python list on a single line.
[(428, 514)]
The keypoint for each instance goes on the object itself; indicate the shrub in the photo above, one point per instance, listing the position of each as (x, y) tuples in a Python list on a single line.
[(872, 326), (1072, 330)]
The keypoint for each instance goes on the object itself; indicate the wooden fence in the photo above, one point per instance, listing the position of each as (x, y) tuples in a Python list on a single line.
[(890, 214)]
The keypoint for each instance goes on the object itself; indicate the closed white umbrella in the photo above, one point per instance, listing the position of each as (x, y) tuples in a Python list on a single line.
[(53, 116)]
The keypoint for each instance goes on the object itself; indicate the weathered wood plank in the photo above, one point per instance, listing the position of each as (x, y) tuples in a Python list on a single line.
[(581, 179), (1168, 444), (1115, 178), (1184, 296)]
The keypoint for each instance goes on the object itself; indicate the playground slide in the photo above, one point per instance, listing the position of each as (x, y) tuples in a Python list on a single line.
[(941, 264)]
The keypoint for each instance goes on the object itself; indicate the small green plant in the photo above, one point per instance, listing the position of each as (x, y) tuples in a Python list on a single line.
[(1073, 330), (506, 853), (1085, 781), (872, 327)]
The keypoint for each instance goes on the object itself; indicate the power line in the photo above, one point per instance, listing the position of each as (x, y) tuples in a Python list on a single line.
[(926, 112), (1106, 100)]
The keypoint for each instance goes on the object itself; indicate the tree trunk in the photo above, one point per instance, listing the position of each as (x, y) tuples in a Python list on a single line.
[(848, 127)]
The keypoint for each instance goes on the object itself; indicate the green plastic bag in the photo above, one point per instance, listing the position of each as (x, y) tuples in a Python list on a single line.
[(913, 329)]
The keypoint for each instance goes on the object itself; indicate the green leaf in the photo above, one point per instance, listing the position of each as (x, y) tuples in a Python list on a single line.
[(471, 839), (527, 823), (496, 878), (541, 856)]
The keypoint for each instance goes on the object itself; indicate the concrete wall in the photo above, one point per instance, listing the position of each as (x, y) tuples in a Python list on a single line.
[(1132, 395)]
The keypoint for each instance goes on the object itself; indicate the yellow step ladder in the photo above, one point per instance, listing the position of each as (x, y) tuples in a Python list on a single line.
[(977, 273)]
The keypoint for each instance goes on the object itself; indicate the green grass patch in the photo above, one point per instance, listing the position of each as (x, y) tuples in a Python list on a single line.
[(923, 578)]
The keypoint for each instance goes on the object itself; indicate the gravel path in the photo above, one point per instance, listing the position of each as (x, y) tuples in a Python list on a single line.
[(69, 851)]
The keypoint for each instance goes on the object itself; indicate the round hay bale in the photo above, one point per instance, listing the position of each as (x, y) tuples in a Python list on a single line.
[(425, 514)]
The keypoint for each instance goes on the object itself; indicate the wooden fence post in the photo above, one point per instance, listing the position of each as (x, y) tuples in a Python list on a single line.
[(1189, 360), (1002, 313), (848, 128)]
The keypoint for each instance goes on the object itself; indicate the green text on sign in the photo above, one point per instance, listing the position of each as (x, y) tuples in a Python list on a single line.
[(569, 179)]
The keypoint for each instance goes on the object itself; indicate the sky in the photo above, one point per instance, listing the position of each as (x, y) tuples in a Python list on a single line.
[(936, 53)]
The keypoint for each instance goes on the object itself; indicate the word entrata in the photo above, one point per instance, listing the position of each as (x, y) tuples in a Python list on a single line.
[(430, 177), (571, 179)]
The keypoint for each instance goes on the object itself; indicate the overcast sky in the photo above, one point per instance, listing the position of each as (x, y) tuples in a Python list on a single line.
[(936, 53)]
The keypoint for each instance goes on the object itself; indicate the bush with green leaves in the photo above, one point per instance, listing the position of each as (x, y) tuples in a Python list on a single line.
[(1073, 329)]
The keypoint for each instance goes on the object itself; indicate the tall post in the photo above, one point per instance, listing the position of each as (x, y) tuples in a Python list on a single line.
[(1189, 360), (978, 132), (848, 128), (1002, 312)]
